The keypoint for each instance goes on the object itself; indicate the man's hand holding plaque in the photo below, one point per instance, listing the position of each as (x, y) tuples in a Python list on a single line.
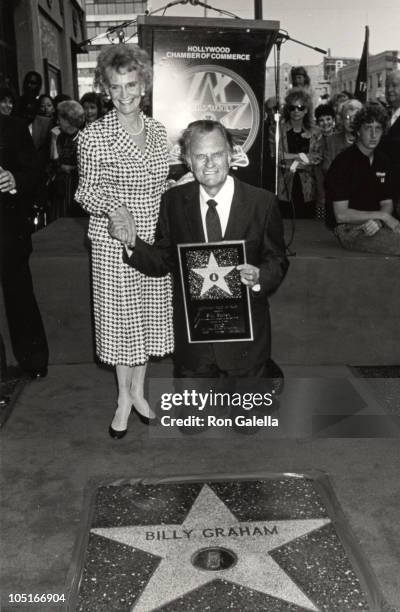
[(249, 275)]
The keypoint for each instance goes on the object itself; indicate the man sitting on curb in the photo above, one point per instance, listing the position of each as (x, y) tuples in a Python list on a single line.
[(359, 190)]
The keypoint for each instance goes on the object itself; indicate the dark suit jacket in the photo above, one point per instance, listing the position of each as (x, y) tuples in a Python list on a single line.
[(255, 218), (41, 128), (17, 154), (390, 145)]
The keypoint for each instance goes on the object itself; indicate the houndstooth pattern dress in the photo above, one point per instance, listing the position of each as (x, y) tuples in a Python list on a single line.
[(132, 312)]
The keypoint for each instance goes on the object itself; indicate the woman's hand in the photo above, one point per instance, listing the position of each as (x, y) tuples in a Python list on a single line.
[(122, 227)]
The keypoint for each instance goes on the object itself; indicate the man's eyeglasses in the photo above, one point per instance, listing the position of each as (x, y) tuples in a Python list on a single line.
[(299, 107), (202, 158)]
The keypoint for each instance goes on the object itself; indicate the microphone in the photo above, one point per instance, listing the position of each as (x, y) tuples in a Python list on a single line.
[(176, 2), (324, 51)]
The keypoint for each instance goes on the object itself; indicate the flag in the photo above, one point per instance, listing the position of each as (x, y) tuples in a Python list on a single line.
[(361, 89)]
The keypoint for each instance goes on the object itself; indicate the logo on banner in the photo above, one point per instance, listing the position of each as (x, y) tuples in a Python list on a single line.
[(217, 93)]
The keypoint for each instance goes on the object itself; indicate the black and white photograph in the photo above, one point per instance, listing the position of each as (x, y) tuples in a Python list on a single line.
[(199, 306)]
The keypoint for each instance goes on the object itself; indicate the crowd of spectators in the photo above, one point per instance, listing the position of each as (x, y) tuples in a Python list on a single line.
[(38, 180), (310, 141), (54, 124)]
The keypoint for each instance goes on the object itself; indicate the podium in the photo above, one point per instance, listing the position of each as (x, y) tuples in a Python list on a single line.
[(211, 69)]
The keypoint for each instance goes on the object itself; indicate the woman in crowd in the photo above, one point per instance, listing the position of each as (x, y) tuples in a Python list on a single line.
[(123, 167), (336, 101), (343, 137), (92, 106), (55, 131), (296, 180), (325, 120), (7, 101), (46, 107), (71, 119), (300, 79)]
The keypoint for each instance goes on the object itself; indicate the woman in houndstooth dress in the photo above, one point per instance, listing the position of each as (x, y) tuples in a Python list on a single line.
[(123, 167)]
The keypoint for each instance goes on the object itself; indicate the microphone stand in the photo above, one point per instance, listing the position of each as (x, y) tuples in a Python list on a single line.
[(277, 114), (283, 36), (125, 24), (208, 6)]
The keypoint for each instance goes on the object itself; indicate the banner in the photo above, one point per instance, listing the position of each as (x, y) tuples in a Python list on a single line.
[(212, 75), (361, 90)]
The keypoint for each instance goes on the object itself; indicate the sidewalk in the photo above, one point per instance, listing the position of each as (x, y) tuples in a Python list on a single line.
[(55, 442)]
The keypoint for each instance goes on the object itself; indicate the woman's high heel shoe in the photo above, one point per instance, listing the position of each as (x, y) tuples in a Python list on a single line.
[(146, 420), (116, 434)]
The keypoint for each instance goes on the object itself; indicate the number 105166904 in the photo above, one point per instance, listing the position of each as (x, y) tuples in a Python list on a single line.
[(36, 597)]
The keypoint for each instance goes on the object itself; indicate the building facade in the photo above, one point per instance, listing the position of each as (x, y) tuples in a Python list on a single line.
[(336, 74), (102, 15), (321, 76), (332, 64), (378, 67), (41, 35)]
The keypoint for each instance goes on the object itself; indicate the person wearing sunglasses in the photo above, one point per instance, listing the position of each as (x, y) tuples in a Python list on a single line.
[(297, 156)]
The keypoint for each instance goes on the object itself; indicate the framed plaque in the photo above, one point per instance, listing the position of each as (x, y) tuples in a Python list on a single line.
[(217, 303)]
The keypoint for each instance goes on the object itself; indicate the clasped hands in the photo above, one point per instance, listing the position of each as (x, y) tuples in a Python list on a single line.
[(373, 226), (122, 226)]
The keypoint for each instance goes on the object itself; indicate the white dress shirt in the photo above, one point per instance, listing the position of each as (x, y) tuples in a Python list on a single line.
[(224, 200)]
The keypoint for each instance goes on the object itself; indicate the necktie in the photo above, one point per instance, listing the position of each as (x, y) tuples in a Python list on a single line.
[(213, 223)]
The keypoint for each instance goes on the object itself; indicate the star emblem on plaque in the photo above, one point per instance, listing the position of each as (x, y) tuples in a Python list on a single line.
[(214, 275), (217, 303), (201, 550)]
